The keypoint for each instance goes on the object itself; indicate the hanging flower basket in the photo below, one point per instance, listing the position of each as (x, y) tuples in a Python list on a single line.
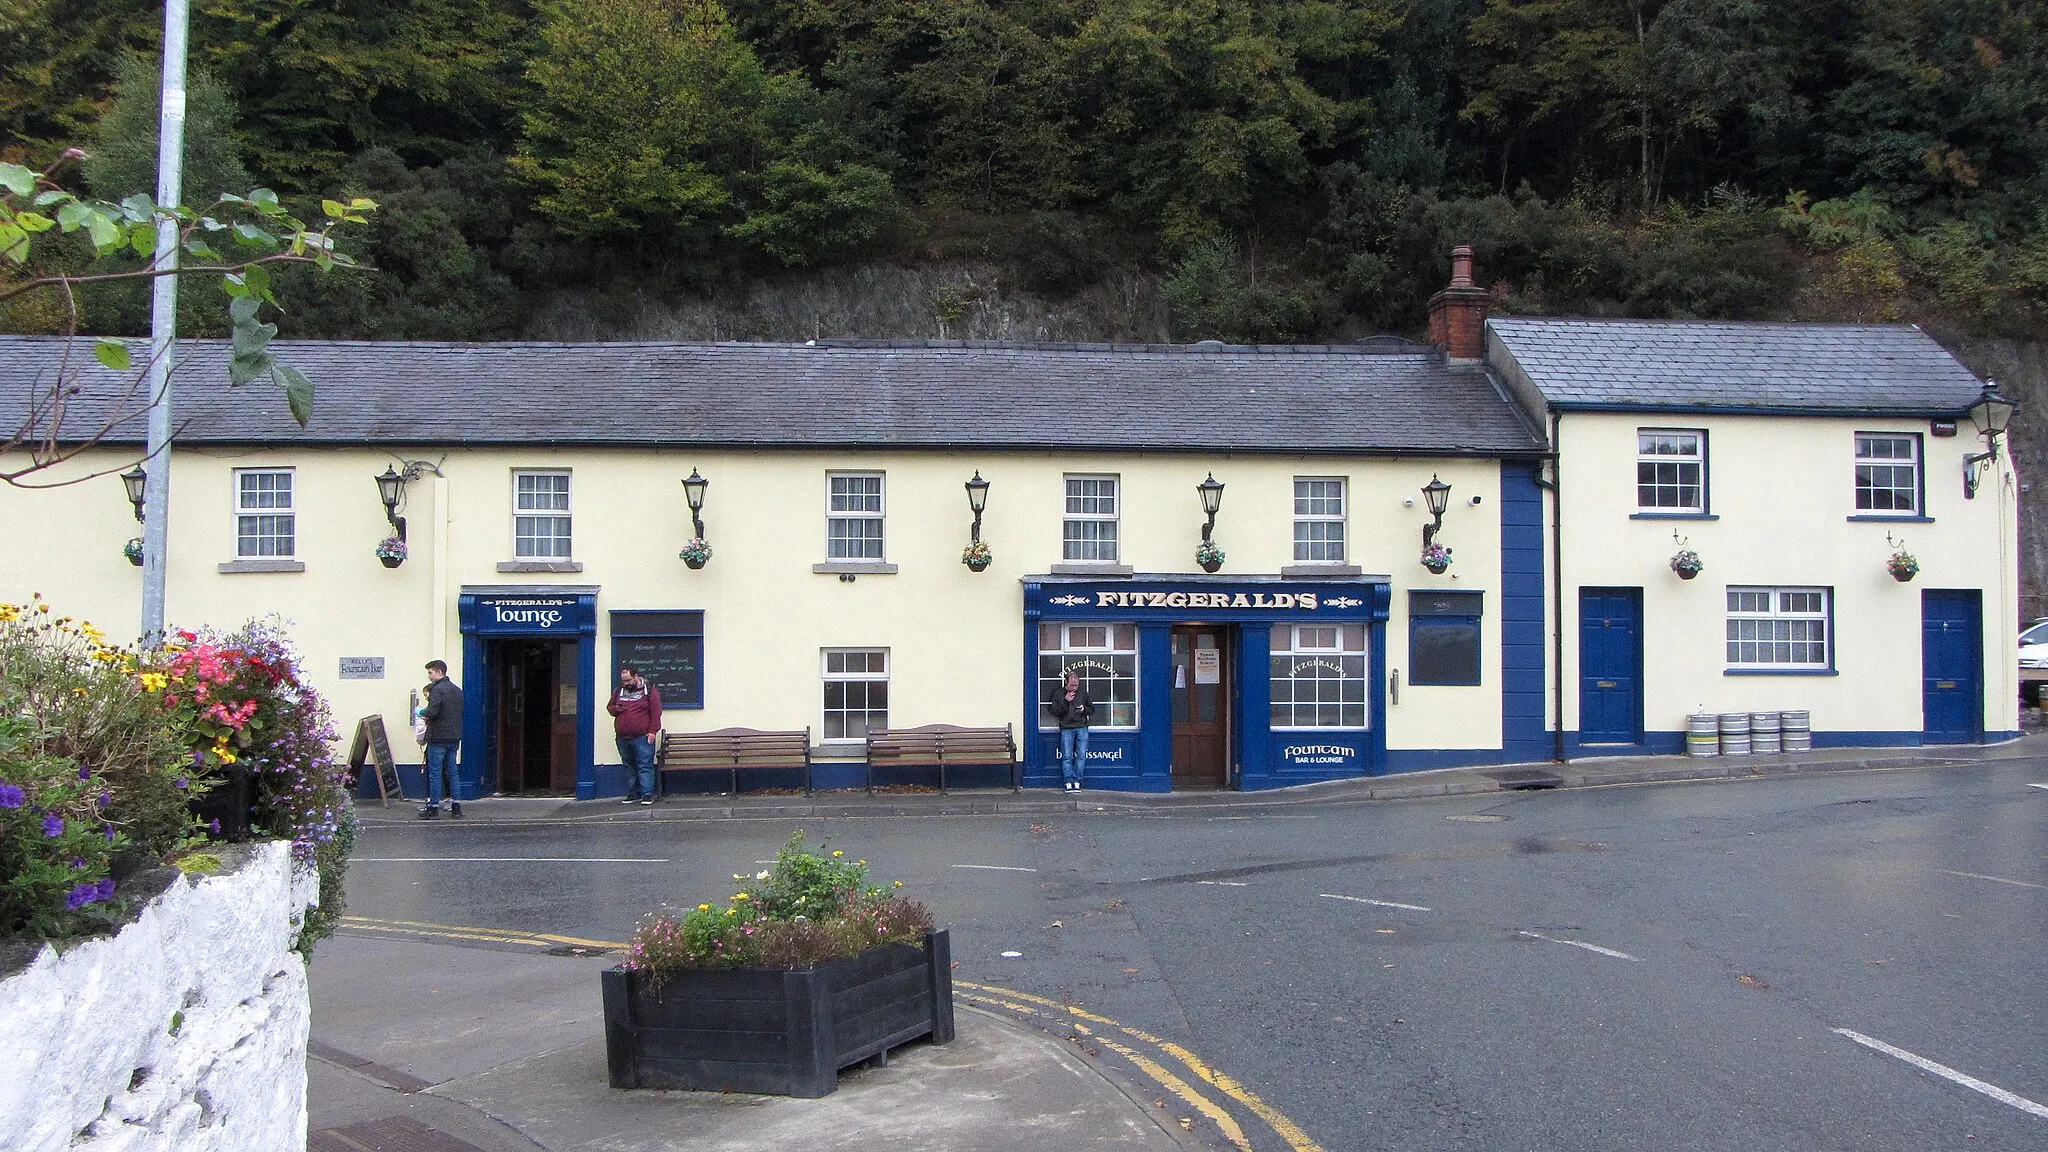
[(1687, 564), (133, 551), (1436, 558), (1902, 566), (977, 556), (391, 551), (1209, 556), (696, 553)]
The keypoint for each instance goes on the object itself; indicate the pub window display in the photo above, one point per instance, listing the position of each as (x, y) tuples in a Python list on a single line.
[(1318, 674), (1104, 656)]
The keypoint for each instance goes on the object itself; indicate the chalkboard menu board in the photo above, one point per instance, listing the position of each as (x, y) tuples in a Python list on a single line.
[(665, 647)]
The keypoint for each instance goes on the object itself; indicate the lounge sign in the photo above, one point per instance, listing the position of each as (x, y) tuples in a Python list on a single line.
[(1320, 755), (540, 613)]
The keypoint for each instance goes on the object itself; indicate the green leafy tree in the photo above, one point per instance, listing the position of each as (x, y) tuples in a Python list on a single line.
[(37, 214), (655, 122)]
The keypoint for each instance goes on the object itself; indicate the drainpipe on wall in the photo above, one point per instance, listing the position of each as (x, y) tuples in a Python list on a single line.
[(1556, 591)]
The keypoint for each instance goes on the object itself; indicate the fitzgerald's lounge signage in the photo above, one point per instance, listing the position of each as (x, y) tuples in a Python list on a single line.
[(1284, 601), (540, 612)]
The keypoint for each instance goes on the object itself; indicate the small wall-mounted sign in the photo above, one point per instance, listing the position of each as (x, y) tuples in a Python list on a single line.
[(1942, 427), (362, 667)]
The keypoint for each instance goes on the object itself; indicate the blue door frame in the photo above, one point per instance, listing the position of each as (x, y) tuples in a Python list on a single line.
[(1952, 666), (1610, 666), (492, 613)]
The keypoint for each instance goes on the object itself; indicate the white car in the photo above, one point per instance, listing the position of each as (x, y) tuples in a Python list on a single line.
[(2034, 645)]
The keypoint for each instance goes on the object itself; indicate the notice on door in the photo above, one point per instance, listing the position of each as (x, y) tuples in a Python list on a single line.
[(1208, 666)]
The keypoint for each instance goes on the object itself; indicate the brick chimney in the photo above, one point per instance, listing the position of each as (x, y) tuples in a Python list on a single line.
[(1457, 315)]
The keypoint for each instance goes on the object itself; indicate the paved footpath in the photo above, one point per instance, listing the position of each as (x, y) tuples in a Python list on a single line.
[(509, 1057)]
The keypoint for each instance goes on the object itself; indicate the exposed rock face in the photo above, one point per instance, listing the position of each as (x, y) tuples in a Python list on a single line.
[(187, 1031)]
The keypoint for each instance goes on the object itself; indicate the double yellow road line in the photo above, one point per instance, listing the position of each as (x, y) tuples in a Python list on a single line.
[(542, 940), (1167, 1064), (1125, 1040)]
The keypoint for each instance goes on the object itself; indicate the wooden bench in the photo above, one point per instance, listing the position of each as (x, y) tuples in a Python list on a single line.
[(731, 749), (941, 745)]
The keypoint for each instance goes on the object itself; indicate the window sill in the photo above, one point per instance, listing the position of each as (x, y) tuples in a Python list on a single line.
[(539, 566), (1865, 516), (1779, 672), (1095, 569), (854, 568), (271, 564), (1673, 516), (1311, 571)]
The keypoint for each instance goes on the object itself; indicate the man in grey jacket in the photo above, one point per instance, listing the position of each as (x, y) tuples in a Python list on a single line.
[(443, 714)]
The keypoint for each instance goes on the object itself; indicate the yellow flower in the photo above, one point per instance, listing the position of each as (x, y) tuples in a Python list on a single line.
[(153, 681), (703, 907), (836, 853), (898, 884), (739, 896), (731, 911)]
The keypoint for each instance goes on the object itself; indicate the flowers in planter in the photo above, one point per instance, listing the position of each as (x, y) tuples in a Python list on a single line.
[(1687, 564), (1209, 556), (391, 550), (133, 550), (1436, 557), (105, 748), (696, 553), (1902, 565), (90, 767), (977, 555), (809, 906)]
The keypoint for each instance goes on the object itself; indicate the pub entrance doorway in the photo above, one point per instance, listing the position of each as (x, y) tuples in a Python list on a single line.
[(1202, 720), (536, 714)]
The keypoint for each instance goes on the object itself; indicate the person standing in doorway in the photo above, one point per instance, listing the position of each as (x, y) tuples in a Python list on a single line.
[(443, 714), (1073, 708), (636, 711)]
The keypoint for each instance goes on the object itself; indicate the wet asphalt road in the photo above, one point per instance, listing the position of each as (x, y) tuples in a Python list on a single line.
[(1651, 967)]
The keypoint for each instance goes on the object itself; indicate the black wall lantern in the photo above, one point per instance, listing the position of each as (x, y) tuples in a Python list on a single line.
[(693, 491), (135, 480), (1437, 495), (1991, 413), (1212, 500), (390, 490), (977, 502)]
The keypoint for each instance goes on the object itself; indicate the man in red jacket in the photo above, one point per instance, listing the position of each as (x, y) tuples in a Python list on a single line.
[(636, 710)]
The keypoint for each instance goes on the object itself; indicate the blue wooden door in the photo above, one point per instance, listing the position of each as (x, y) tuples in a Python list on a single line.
[(1951, 666), (1610, 665)]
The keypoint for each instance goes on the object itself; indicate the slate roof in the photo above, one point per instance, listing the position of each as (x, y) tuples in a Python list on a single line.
[(1321, 400), (1735, 366)]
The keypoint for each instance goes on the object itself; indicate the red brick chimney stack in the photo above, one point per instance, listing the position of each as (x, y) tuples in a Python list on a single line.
[(1457, 315)]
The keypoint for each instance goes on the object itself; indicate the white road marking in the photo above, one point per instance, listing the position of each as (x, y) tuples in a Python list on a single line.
[(995, 868), (1947, 1073), (1586, 946), (2044, 786), (1375, 903), (1993, 879), (1225, 883), (506, 860)]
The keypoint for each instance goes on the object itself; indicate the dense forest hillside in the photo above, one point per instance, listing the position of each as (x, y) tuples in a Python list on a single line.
[(1279, 170)]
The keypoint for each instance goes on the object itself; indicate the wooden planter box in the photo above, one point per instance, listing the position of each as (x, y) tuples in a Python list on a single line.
[(780, 1031)]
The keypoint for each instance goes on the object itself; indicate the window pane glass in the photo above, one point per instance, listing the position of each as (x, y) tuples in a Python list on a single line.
[(1310, 682), (1106, 659)]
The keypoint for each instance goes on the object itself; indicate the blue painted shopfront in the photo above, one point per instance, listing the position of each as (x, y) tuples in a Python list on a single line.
[(1132, 626), (565, 616)]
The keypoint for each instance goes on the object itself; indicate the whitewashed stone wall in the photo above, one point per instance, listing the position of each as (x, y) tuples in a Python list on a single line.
[(185, 1032)]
